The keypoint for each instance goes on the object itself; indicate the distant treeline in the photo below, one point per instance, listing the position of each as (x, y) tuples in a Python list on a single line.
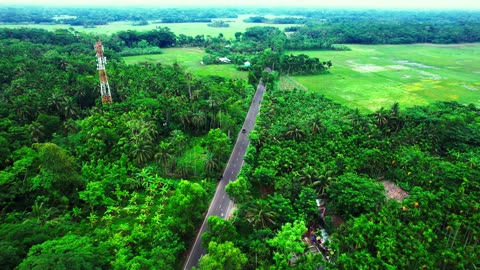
[(101, 15), (316, 29), (277, 20), (314, 35)]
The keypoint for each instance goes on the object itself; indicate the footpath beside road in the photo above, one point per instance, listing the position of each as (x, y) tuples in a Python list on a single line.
[(221, 205)]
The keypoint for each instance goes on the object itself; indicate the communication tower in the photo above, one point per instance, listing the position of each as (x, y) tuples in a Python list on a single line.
[(101, 62)]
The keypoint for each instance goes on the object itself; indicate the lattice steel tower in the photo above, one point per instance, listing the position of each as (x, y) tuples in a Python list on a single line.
[(101, 62)]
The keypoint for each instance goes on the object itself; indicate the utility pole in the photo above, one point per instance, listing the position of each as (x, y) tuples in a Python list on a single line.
[(101, 62)]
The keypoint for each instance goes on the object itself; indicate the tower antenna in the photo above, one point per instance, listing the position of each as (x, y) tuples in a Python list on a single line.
[(101, 62)]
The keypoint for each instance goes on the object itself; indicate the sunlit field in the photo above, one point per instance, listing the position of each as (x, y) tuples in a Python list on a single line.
[(190, 59), (189, 29), (373, 76)]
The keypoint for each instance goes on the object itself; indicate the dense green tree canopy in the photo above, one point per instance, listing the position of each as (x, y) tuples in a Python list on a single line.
[(125, 185)]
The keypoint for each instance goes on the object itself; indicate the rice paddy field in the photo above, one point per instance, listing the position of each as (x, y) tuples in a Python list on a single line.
[(373, 76), (189, 29), (190, 59)]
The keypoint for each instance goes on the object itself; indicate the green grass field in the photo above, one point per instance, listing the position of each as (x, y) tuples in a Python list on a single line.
[(373, 76), (190, 59), (189, 29)]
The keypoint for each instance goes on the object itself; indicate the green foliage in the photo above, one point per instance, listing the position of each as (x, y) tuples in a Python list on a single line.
[(284, 209), (224, 256), (260, 215), (109, 174), (187, 196), (306, 205), (239, 190), (218, 23), (57, 170), (302, 64), (353, 195), (218, 143), (140, 51), (125, 207), (342, 159), (287, 242), (68, 252), (17, 239), (219, 231)]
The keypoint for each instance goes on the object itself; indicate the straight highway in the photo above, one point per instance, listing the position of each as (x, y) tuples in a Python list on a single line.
[(221, 205)]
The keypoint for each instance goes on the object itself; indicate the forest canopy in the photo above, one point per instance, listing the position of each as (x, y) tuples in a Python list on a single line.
[(126, 185)]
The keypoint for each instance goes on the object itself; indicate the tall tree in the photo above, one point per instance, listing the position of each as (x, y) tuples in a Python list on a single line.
[(223, 256)]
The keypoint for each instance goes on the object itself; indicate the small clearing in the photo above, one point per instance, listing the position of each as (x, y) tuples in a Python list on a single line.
[(394, 191)]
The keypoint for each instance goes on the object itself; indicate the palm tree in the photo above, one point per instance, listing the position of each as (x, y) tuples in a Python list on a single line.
[(308, 175), (70, 108), (55, 99), (322, 183), (178, 140), (183, 169), (36, 131), (395, 121), (142, 152), (198, 119), (316, 124), (210, 164), (357, 120), (381, 118), (295, 133), (188, 78), (260, 215), (141, 130), (395, 110), (163, 155)]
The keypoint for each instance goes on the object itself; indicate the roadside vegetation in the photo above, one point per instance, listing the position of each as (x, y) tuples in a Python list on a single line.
[(305, 146), (125, 185)]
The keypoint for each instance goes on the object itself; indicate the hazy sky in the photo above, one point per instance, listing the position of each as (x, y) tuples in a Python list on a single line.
[(422, 4)]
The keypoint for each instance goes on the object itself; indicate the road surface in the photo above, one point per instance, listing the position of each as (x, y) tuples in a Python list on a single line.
[(221, 205)]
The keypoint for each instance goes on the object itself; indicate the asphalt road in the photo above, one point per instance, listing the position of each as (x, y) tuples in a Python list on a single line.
[(221, 205)]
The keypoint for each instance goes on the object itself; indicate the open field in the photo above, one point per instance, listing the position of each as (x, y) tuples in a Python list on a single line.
[(189, 29), (373, 76), (190, 59)]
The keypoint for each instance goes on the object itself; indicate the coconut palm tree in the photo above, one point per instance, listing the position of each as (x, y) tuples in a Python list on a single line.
[(381, 118), (295, 133), (142, 152), (178, 140), (322, 182), (395, 120), (315, 124), (210, 163), (36, 131), (163, 155), (260, 214), (198, 119)]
